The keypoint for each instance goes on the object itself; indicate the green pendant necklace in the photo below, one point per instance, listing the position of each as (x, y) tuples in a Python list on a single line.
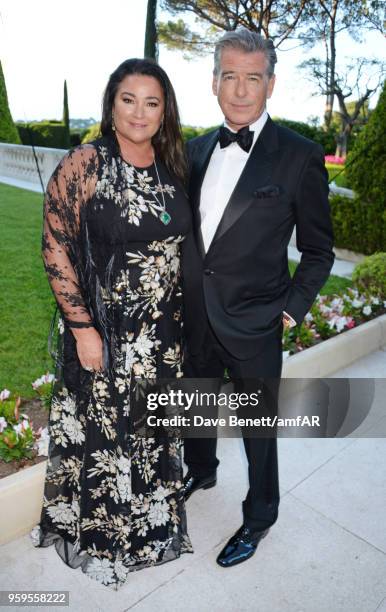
[(163, 215)]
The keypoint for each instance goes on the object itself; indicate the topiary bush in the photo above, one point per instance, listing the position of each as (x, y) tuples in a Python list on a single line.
[(370, 275), (8, 130), (357, 225), (366, 162)]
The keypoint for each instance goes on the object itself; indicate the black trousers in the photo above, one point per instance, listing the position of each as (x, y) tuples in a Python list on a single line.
[(260, 508)]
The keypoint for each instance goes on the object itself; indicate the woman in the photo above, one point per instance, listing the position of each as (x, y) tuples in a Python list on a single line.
[(115, 216)]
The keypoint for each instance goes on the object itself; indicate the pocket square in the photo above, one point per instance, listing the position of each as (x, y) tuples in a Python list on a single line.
[(268, 191)]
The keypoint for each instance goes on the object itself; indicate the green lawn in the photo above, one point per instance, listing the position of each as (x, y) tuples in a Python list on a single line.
[(333, 171), (26, 301), (333, 285)]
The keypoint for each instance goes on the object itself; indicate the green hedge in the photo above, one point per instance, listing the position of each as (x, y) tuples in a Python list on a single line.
[(326, 138), (77, 135), (44, 134), (91, 133), (189, 132), (358, 225)]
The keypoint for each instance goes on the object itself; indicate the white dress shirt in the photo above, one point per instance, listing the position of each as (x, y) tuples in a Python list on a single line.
[(223, 172), (221, 177)]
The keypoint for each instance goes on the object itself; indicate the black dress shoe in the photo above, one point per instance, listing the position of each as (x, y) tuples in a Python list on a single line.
[(241, 546), (192, 484)]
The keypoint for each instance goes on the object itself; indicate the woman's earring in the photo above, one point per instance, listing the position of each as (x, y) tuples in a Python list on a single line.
[(112, 123)]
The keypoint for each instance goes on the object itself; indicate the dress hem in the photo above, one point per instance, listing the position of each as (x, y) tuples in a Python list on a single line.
[(83, 559)]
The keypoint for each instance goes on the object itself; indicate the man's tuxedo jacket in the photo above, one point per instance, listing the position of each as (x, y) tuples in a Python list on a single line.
[(242, 284)]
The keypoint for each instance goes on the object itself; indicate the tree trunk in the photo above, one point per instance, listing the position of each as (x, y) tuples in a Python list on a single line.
[(151, 38), (342, 141), (331, 62)]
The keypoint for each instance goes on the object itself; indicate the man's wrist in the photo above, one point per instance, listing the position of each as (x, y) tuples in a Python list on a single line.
[(288, 321)]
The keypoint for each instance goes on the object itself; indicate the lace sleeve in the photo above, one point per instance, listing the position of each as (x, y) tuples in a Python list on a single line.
[(68, 189)]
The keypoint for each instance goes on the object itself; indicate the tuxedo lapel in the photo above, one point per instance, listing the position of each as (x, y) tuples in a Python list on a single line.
[(200, 163), (256, 173)]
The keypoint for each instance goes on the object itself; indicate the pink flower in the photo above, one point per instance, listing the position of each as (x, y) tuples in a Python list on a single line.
[(43, 380), (25, 424), (4, 394), (350, 323)]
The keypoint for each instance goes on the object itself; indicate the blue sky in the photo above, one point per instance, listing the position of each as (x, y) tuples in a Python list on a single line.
[(42, 42)]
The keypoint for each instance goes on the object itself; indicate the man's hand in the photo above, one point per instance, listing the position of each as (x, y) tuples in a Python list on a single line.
[(288, 321), (89, 347)]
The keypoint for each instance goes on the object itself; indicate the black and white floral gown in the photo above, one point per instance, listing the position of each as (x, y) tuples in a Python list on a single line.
[(113, 500)]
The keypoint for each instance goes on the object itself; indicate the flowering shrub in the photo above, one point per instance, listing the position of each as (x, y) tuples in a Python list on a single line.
[(43, 387), (18, 440), (16, 435), (334, 159), (329, 316)]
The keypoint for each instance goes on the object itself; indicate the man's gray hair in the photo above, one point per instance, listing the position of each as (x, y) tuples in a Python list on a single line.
[(249, 42)]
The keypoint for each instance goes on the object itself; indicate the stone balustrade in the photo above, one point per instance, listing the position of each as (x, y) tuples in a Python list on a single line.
[(18, 165)]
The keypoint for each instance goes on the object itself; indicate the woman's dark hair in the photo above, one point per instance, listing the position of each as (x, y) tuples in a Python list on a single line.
[(167, 142)]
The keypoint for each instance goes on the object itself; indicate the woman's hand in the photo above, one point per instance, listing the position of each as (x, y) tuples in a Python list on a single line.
[(89, 347)]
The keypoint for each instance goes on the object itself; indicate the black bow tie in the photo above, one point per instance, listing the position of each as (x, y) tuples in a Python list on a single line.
[(243, 137)]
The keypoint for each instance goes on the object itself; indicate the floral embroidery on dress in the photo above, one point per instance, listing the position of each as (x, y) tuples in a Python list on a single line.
[(158, 281), (134, 188), (112, 499)]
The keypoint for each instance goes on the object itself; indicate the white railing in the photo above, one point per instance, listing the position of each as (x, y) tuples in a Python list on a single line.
[(18, 164), (347, 193)]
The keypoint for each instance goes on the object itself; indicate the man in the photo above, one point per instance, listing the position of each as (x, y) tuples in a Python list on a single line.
[(251, 183)]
